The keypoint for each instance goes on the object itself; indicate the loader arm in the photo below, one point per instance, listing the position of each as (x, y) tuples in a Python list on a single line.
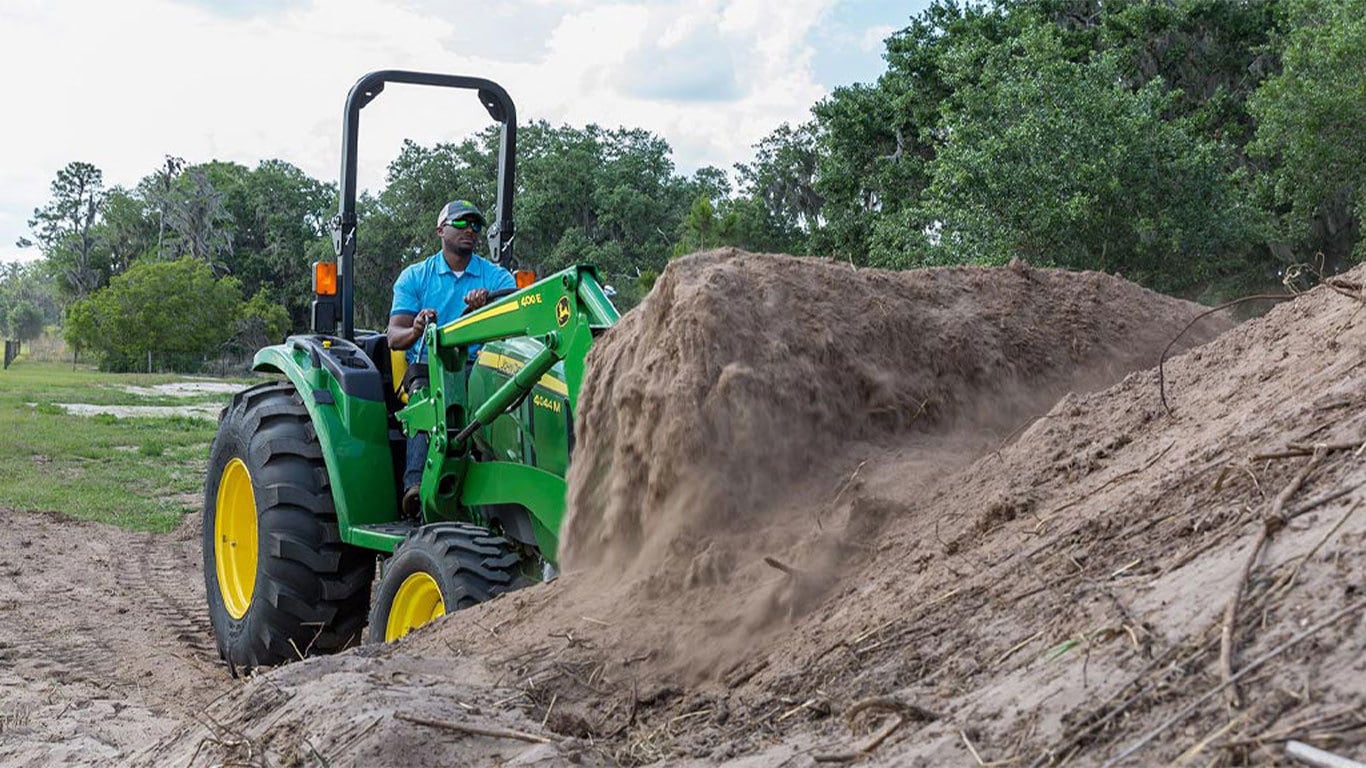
[(563, 312)]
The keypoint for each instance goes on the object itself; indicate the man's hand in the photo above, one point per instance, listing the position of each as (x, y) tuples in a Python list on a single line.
[(423, 319), (406, 330), (477, 298)]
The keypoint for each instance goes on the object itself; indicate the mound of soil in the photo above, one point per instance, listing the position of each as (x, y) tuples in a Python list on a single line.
[(742, 377)]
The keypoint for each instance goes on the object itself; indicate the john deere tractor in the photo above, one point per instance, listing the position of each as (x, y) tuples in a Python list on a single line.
[(302, 494)]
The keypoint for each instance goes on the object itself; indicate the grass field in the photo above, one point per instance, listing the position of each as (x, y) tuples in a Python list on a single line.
[(141, 473)]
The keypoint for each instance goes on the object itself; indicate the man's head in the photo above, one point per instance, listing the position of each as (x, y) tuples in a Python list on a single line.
[(459, 226)]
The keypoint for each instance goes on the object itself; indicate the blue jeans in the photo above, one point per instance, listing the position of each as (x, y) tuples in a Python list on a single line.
[(416, 460)]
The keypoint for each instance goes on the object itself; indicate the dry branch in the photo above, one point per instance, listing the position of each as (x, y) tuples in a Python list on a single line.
[(1252, 666), (1162, 359), (474, 730), (901, 709), (1270, 524)]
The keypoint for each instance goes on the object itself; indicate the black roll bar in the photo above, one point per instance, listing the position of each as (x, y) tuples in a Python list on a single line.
[(500, 108)]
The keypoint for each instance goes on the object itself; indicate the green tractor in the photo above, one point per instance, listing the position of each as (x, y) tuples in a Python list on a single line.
[(303, 488)]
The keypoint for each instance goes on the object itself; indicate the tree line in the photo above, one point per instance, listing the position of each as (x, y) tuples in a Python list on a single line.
[(1200, 147)]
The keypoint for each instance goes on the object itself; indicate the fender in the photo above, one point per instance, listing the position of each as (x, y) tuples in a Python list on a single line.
[(343, 392)]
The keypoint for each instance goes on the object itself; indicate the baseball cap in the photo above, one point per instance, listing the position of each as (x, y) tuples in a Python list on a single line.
[(459, 209)]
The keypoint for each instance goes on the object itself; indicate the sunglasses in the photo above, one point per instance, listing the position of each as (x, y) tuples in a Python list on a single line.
[(462, 223)]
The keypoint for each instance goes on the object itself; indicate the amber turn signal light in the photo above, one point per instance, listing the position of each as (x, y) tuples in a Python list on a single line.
[(325, 278), (524, 277)]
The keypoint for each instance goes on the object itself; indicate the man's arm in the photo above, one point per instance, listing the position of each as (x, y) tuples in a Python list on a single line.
[(405, 330)]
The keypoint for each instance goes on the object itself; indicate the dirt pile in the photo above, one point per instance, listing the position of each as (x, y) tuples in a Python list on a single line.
[(741, 375)]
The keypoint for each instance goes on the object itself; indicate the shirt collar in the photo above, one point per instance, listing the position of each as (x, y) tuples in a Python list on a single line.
[(475, 267)]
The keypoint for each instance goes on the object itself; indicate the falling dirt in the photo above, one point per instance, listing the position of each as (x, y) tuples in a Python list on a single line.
[(932, 518)]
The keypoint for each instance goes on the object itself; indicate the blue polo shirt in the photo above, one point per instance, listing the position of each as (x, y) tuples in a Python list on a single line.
[(432, 284)]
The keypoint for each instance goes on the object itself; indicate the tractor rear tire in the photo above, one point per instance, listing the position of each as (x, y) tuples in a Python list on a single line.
[(438, 569), (280, 582)]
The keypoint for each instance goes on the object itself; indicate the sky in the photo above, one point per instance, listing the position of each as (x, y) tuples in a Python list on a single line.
[(122, 84)]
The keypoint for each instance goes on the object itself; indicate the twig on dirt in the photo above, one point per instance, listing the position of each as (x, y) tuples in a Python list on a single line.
[(630, 713), (1016, 647), (1270, 524), (553, 698), (807, 704), (1203, 744), (344, 746), (1307, 449), (690, 716), (220, 736), (1301, 729), (1318, 758), (1140, 689), (1313, 504), (774, 562), (475, 730), (1162, 360), (1348, 288), (1146, 465), (1001, 446), (962, 734), (1290, 579), (1250, 667), (848, 482), (901, 709), (1126, 567), (318, 755)]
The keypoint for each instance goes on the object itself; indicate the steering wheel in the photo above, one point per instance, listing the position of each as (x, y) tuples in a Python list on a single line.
[(493, 296)]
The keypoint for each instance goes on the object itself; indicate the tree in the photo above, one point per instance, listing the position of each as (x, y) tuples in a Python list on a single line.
[(1312, 130), (27, 283), (261, 322), (698, 227), (782, 175), (25, 321), (1056, 162), (200, 222), (157, 190), (278, 212), (125, 232), (63, 228), (171, 315)]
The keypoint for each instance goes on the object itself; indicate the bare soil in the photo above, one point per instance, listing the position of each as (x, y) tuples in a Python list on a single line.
[(930, 518)]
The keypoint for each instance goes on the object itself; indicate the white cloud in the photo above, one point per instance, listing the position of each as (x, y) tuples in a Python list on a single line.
[(874, 38), (121, 84)]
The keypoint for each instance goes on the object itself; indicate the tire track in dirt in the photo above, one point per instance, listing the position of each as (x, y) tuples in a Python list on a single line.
[(104, 640), (161, 577)]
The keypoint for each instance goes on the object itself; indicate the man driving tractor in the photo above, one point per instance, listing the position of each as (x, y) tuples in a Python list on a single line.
[(439, 289)]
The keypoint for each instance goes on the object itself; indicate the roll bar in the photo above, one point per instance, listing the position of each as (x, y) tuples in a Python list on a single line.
[(500, 108)]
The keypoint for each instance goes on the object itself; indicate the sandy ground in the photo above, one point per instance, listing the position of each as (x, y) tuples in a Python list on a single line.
[(104, 642), (1042, 589), (201, 411)]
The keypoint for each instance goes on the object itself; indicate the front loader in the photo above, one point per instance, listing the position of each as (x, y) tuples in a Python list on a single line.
[(302, 495)]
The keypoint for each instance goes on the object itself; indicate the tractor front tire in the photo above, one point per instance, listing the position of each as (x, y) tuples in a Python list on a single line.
[(280, 582), (441, 568)]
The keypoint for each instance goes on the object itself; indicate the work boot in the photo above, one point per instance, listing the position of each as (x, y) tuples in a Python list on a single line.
[(412, 503)]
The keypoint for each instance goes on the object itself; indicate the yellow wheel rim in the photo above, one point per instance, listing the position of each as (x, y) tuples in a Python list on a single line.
[(234, 547), (417, 602)]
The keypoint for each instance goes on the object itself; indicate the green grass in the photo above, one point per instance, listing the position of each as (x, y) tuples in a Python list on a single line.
[(138, 473)]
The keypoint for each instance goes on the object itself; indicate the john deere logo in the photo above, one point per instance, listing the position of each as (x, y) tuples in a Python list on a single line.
[(562, 311)]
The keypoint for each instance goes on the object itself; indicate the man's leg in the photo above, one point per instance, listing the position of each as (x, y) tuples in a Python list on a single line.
[(412, 474)]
